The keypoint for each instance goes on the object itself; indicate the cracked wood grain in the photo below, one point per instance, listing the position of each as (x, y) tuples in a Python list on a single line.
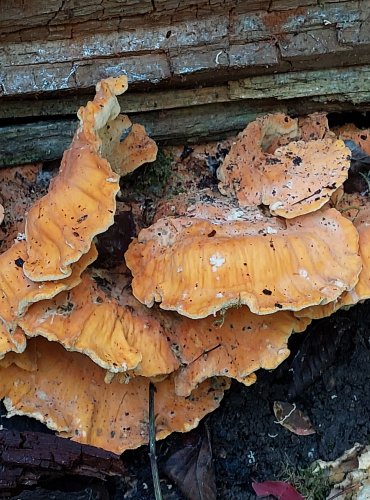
[(160, 43)]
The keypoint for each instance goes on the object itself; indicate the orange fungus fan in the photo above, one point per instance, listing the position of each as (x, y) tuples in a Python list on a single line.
[(198, 265), (68, 393), (81, 200)]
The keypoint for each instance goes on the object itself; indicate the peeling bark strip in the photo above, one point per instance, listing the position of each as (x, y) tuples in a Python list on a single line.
[(46, 140), (350, 85), (63, 46), (25, 457), (178, 116)]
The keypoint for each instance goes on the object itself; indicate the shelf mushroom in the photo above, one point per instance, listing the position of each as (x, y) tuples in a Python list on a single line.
[(295, 179), (67, 391), (17, 292), (81, 200), (198, 264), (357, 209), (115, 336)]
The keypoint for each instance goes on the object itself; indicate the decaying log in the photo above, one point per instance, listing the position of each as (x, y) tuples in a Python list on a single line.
[(62, 45), (25, 457), (177, 116)]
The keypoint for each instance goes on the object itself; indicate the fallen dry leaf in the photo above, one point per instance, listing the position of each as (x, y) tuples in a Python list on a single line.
[(191, 468), (278, 489), (317, 352), (292, 419)]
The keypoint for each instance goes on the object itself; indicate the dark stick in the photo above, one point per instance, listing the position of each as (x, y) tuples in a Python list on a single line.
[(152, 452)]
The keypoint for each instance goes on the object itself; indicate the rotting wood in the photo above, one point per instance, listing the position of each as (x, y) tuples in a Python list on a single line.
[(350, 84), (160, 43), (130, 102), (177, 116), (353, 84), (27, 456), (46, 140)]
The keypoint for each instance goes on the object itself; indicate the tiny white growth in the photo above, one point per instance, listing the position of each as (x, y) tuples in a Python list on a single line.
[(339, 283), (276, 205), (303, 273), (251, 457), (179, 269), (21, 237), (216, 261), (42, 395), (111, 179), (219, 295), (235, 215), (271, 230)]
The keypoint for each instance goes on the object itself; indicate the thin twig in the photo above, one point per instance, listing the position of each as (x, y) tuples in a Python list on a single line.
[(152, 452), (348, 488)]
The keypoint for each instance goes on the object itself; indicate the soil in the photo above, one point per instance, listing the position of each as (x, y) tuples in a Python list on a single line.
[(247, 443)]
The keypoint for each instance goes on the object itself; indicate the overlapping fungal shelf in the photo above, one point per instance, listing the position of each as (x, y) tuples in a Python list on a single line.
[(245, 243)]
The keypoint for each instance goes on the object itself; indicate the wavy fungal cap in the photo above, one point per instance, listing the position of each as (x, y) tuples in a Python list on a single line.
[(67, 392), (17, 292), (198, 266), (295, 179), (115, 337), (357, 209), (233, 345), (81, 200)]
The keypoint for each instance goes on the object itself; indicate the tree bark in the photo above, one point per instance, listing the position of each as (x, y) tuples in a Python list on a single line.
[(27, 456), (60, 46), (179, 116)]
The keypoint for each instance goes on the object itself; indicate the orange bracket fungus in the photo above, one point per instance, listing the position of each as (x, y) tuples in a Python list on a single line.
[(297, 178), (17, 292), (125, 340), (67, 392), (197, 265), (11, 342), (357, 209), (236, 348), (231, 277), (81, 200)]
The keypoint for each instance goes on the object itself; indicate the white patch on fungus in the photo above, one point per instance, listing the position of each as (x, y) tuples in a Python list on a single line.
[(42, 395), (276, 205), (216, 260)]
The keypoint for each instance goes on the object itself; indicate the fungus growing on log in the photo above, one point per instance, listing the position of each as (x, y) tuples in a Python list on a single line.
[(68, 393), (209, 258), (81, 200), (241, 344), (11, 342), (357, 209), (136, 148), (88, 321), (296, 179), (197, 265), (17, 292)]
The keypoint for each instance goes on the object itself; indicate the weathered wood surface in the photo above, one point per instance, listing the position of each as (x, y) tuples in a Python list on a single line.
[(27, 456), (351, 84), (180, 115), (64, 45)]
